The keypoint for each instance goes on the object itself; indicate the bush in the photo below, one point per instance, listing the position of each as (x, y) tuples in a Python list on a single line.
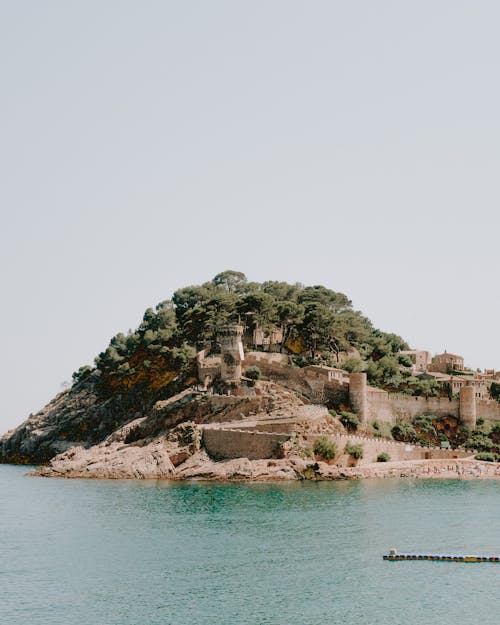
[(355, 451), (487, 456), (308, 452), (383, 457), (349, 420), (376, 425), (81, 374), (479, 441), (405, 432), (325, 448), (495, 433), (253, 373)]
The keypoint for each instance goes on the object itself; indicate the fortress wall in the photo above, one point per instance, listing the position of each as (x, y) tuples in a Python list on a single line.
[(280, 428), (397, 451), (379, 407), (239, 443), (410, 407), (221, 443), (488, 409)]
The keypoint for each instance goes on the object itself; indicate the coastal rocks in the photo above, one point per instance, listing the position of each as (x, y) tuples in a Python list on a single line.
[(201, 466), (111, 461), (74, 417)]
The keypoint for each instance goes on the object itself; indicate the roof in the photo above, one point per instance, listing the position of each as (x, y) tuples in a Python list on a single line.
[(450, 355)]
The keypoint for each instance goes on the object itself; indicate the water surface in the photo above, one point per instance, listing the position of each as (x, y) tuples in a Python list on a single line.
[(84, 552)]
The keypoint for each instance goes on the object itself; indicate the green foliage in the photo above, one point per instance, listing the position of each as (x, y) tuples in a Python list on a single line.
[(425, 430), (253, 372), (355, 451), (317, 325), (81, 374), (325, 448), (349, 420), (487, 456), (376, 425), (405, 432), (494, 434), (495, 391), (353, 365), (405, 360), (383, 457), (231, 281), (478, 440), (308, 452)]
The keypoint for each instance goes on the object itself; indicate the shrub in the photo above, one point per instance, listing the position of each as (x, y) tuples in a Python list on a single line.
[(253, 373), (495, 433), (383, 457), (279, 450), (325, 448), (349, 420), (81, 374), (355, 451), (487, 456), (405, 432), (376, 425), (477, 440)]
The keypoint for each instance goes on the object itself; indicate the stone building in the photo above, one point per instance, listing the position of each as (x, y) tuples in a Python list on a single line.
[(420, 358), (447, 362)]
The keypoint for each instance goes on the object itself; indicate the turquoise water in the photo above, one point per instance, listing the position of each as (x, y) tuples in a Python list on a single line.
[(145, 553)]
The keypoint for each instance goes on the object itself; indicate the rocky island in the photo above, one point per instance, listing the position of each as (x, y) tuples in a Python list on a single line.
[(264, 381)]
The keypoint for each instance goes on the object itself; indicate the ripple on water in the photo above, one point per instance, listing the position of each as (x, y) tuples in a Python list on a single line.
[(128, 552)]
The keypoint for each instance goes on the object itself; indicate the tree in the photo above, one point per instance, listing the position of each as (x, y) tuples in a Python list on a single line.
[(229, 280), (495, 391)]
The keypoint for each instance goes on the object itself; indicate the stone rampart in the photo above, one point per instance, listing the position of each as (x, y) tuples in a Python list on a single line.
[(224, 443), (380, 405), (488, 409), (373, 447)]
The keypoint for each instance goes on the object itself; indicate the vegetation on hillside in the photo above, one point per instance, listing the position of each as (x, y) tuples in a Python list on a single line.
[(318, 325), (431, 431)]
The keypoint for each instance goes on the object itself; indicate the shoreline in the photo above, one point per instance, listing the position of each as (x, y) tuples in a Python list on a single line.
[(285, 470)]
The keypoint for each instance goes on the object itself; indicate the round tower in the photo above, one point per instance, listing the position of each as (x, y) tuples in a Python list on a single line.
[(468, 406), (231, 352), (357, 395)]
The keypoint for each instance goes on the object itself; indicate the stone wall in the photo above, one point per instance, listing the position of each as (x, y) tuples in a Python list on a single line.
[(224, 443), (373, 447), (380, 405), (488, 409)]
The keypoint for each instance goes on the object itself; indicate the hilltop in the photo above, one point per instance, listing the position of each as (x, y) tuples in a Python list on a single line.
[(280, 377)]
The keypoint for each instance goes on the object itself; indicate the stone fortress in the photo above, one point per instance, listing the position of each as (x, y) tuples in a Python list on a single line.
[(468, 401), (321, 386)]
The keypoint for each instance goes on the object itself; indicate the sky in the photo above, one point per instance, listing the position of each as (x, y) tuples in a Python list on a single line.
[(145, 146)]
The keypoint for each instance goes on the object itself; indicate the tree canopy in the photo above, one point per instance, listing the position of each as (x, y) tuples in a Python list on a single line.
[(317, 325)]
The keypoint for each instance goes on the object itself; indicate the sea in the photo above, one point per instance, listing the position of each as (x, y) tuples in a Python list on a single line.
[(108, 552)]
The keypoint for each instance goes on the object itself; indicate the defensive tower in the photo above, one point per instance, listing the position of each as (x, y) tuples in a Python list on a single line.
[(232, 353), (357, 395), (468, 406)]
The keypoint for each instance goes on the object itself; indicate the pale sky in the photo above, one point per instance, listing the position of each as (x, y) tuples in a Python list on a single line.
[(149, 145)]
